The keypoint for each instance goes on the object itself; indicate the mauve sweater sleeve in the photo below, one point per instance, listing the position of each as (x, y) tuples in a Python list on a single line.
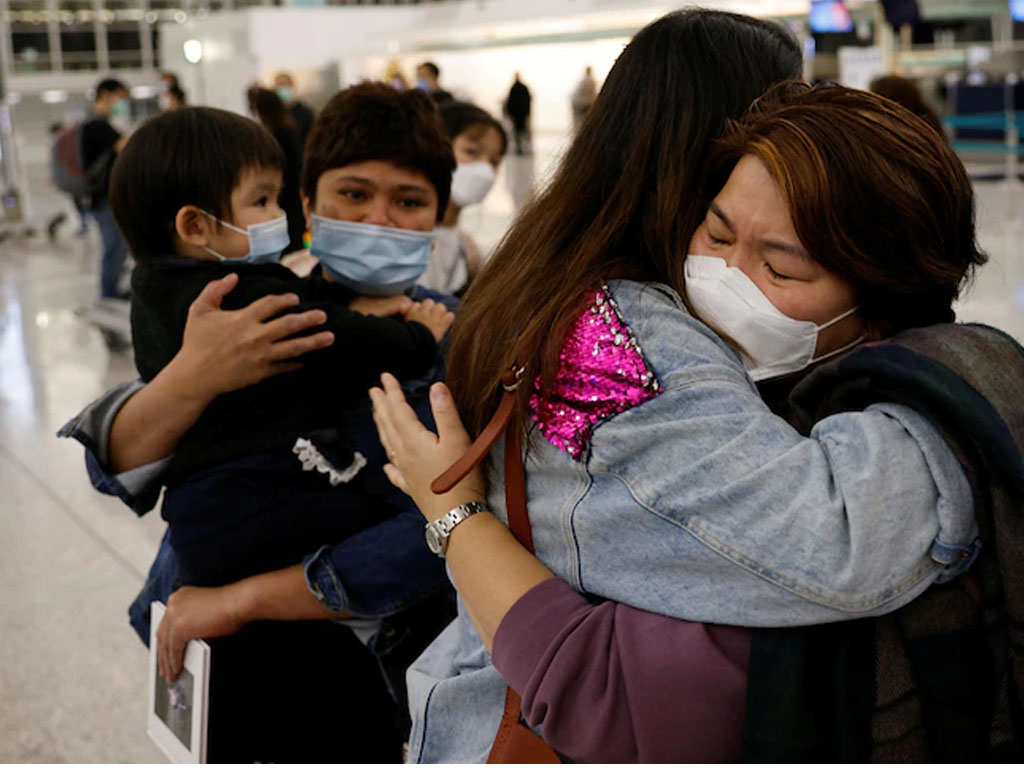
[(610, 683)]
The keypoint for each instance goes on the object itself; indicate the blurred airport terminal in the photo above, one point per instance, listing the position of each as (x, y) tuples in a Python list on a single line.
[(72, 673)]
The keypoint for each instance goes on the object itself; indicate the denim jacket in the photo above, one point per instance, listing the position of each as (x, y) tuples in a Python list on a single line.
[(703, 505)]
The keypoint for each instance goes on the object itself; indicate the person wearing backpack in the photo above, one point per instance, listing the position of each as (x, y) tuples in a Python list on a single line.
[(98, 144)]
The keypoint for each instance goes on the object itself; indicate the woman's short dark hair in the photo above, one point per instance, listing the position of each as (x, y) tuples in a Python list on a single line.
[(189, 156), (372, 121), (460, 116), (875, 195)]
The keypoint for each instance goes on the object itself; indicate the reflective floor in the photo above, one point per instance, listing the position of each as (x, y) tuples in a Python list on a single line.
[(72, 673)]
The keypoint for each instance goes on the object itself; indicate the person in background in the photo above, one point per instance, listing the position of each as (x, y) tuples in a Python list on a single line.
[(427, 75), (271, 112), (172, 98), (169, 80), (479, 143), (100, 143), (583, 97), (517, 107), (284, 87), (906, 93), (81, 205)]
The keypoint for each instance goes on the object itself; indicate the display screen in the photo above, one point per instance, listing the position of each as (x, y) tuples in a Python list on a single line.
[(1017, 10), (900, 12), (830, 16)]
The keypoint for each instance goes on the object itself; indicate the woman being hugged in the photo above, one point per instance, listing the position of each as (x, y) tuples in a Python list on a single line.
[(655, 474)]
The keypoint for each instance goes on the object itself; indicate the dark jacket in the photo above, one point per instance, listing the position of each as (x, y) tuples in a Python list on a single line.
[(941, 679), (285, 406)]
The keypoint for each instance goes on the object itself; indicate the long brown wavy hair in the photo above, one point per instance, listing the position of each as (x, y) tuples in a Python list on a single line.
[(625, 200)]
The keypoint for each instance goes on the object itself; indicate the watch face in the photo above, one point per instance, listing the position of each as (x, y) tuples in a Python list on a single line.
[(434, 540)]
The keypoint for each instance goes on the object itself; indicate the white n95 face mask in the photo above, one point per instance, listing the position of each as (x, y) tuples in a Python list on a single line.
[(368, 258), (773, 344), (471, 182), (267, 241)]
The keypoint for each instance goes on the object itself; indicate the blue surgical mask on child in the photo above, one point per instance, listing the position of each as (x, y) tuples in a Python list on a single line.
[(267, 240), (370, 259)]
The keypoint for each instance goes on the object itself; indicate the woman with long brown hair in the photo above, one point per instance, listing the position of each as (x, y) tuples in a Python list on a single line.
[(837, 217)]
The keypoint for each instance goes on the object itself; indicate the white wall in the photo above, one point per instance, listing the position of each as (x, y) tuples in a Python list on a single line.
[(551, 71), (478, 45), (228, 66)]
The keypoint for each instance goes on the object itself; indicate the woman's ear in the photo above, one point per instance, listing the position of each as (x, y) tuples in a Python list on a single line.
[(193, 227)]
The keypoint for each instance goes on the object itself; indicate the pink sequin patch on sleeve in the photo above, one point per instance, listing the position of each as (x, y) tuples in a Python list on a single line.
[(602, 372)]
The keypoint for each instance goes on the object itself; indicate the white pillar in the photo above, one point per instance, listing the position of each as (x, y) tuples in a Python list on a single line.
[(100, 31), (53, 33), (6, 44), (146, 38)]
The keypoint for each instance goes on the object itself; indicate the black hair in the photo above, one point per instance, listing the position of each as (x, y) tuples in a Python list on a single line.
[(373, 121), (432, 68), (459, 116), (177, 93), (189, 156), (270, 110), (109, 85)]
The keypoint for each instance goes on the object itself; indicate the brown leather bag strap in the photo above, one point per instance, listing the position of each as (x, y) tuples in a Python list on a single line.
[(514, 742), (488, 437), (515, 489)]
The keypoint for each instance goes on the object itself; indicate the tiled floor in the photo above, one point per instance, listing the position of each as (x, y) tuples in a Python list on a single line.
[(72, 682)]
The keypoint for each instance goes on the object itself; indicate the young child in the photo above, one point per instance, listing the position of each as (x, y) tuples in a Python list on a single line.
[(270, 472)]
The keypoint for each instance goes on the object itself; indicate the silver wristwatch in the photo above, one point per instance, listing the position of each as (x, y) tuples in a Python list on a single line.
[(439, 530)]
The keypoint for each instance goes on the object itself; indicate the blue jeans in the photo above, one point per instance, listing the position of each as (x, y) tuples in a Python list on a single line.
[(115, 250)]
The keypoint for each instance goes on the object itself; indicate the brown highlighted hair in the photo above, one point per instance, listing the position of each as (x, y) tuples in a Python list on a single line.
[(876, 197), (625, 200), (373, 121)]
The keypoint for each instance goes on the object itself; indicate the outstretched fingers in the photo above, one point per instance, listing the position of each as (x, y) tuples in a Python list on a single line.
[(404, 419), (267, 307), (213, 293), (450, 429)]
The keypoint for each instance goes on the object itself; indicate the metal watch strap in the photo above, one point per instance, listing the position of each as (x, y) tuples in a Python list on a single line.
[(438, 531)]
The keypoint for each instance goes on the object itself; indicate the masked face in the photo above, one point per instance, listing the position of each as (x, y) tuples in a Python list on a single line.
[(373, 226), (751, 278), (120, 109), (258, 231), (370, 259)]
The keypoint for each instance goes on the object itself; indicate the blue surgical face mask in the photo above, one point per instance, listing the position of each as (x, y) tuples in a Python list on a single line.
[(267, 240), (285, 93), (369, 259)]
